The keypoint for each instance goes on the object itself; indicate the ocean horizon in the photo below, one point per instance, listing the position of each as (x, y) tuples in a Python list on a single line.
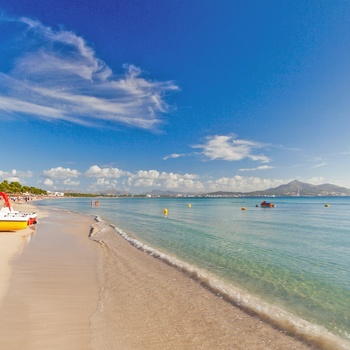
[(289, 265)]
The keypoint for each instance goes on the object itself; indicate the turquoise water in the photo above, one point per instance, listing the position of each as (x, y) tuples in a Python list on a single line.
[(295, 256)]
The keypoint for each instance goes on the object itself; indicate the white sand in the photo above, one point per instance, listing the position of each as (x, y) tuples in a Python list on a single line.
[(52, 290)]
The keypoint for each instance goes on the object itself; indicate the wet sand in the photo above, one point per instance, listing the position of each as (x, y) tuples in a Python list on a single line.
[(66, 291)]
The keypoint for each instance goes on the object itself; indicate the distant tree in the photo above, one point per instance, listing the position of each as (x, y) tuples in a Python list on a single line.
[(15, 187), (25, 189), (4, 186)]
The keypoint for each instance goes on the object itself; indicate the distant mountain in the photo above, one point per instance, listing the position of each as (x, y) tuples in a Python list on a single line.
[(293, 188), (304, 189)]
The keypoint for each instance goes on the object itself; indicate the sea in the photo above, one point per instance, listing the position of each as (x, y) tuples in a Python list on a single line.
[(290, 264)]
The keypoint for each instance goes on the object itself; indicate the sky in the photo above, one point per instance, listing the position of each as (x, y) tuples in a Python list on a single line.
[(184, 96)]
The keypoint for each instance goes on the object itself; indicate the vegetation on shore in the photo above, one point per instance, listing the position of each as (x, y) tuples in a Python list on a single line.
[(81, 195), (71, 194), (16, 188)]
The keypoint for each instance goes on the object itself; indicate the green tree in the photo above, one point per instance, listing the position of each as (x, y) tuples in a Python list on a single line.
[(15, 187), (25, 189), (4, 186)]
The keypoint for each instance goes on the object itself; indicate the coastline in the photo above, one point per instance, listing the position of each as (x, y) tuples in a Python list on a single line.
[(146, 303), (117, 296)]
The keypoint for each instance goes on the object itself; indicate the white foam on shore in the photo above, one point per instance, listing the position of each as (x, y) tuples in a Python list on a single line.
[(283, 320)]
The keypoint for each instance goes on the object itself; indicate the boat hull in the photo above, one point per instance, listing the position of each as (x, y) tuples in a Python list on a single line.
[(9, 225)]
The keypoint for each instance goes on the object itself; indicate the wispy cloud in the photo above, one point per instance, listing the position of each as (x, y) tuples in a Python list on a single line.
[(319, 165), (231, 149), (56, 75), (173, 156), (262, 167)]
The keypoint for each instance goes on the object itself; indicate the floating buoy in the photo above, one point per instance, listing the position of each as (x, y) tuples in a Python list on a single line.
[(327, 205), (244, 208), (165, 211), (189, 205)]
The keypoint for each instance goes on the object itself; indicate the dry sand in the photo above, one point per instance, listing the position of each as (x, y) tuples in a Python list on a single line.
[(53, 289), (68, 292)]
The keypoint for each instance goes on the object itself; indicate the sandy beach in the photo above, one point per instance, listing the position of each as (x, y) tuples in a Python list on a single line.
[(62, 290), (52, 290)]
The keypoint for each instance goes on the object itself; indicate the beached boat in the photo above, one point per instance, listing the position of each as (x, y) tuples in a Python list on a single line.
[(13, 220), (32, 217), (265, 204)]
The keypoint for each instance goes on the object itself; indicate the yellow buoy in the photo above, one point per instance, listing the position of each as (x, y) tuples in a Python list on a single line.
[(189, 205), (244, 208), (165, 211), (327, 205)]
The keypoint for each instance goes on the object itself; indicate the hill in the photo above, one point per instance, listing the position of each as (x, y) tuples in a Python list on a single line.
[(293, 188)]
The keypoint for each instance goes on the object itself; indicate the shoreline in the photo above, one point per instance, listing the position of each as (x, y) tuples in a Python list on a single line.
[(279, 319), (145, 303), (297, 337), (168, 309)]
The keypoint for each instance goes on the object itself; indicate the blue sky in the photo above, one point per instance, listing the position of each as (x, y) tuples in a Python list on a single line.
[(179, 95)]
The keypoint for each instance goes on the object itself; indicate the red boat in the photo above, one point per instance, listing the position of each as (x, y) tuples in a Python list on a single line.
[(265, 204)]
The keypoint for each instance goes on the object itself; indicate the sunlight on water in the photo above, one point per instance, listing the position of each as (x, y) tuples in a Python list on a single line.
[(296, 256)]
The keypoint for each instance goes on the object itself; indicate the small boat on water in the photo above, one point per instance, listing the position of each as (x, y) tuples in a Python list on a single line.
[(13, 220), (265, 204)]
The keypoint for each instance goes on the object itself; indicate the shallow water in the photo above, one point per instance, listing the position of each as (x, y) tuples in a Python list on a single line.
[(295, 256)]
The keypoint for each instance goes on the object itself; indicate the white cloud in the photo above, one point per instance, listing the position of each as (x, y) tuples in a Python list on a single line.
[(141, 181), (144, 174), (58, 76), (48, 182), (15, 105), (96, 171), (231, 149), (174, 155), (166, 181), (69, 182), (104, 184), (15, 175), (242, 184), (316, 180), (13, 179), (61, 173)]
